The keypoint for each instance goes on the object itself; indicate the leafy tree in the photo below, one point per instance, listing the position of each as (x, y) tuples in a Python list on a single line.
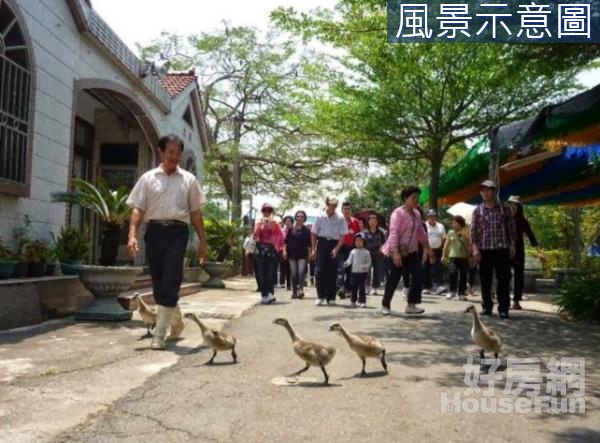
[(252, 115), (406, 102)]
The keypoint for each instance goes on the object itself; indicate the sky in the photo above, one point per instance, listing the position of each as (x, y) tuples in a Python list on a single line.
[(189, 16), (140, 21)]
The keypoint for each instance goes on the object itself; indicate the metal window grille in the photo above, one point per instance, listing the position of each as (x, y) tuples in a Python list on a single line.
[(15, 86)]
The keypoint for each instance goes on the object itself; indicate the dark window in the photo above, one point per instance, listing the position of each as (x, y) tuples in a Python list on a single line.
[(15, 79), (187, 116)]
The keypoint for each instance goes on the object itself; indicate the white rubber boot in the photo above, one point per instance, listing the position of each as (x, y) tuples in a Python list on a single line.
[(160, 330), (176, 324)]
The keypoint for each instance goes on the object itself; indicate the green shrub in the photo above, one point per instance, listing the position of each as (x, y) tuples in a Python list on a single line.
[(553, 258), (224, 239), (72, 243), (579, 298), (36, 252)]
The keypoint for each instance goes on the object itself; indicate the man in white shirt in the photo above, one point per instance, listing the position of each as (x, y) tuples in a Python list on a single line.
[(327, 237), (436, 234), (167, 198)]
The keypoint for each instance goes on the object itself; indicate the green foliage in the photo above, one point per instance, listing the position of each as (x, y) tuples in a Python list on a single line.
[(405, 102), (554, 258), (5, 252), (224, 239), (109, 205), (579, 298), (72, 243), (21, 236), (36, 252), (252, 113), (382, 192)]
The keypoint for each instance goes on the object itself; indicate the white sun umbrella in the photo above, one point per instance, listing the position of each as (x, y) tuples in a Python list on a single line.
[(465, 210)]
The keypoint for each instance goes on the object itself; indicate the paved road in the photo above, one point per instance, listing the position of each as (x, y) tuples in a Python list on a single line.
[(194, 402)]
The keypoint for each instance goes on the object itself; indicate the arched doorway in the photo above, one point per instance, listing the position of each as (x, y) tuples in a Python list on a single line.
[(114, 138)]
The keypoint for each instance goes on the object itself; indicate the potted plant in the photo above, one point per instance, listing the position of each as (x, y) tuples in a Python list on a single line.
[(223, 238), (106, 281), (7, 264), (20, 239), (51, 263), (71, 247), (36, 254)]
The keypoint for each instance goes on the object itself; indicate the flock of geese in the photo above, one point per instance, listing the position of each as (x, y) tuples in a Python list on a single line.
[(316, 354)]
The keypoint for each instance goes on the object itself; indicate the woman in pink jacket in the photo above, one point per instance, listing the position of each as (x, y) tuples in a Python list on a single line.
[(269, 243), (405, 234)]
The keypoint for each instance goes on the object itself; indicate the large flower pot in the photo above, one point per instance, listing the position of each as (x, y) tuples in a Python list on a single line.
[(191, 275), (106, 283), (50, 269), (70, 267), (20, 269), (217, 271), (7, 268), (36, 269)]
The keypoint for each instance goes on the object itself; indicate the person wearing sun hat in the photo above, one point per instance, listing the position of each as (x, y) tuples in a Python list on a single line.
[(493, 236), (522, 227), (269, 242)]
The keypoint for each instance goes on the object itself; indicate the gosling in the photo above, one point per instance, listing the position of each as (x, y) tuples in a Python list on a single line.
[(147, 314), (483, 336), (216, 340), (313, 354), (363, 345)]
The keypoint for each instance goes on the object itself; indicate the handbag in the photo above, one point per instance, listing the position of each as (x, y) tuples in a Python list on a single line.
[(265, 250), (250, 246)]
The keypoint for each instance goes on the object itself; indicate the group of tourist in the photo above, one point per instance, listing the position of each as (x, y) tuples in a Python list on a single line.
[(349, 257), (353, 258)]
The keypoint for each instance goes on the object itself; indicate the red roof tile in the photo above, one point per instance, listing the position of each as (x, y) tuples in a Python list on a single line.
[(176, 82)]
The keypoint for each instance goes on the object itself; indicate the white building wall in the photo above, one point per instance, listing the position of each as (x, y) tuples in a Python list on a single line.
[(61, 55)]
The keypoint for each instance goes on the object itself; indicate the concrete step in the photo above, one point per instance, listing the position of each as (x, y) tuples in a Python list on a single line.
[(126, 298)]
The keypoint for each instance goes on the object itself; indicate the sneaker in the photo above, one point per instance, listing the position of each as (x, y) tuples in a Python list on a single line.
[(462, 297), (363, 305), (516, 307), (451, 295), (300, 294), (425, 291), (385, 311), (331, 302), (413, 310), (405, 292), (374, 292), (353, 304), (440, 290), (294, 295), (271, 298), (263, 300), (504, 315), (319, 302)]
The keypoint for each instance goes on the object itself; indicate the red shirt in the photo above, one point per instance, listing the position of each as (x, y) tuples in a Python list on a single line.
[(353, 228), (269, 233)]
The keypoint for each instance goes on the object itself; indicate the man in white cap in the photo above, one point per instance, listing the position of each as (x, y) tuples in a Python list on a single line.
[(327, 237), (493, 245), (434, 272)]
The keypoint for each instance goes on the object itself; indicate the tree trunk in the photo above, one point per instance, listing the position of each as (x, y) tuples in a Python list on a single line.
[(576, 216), (434, 183)]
